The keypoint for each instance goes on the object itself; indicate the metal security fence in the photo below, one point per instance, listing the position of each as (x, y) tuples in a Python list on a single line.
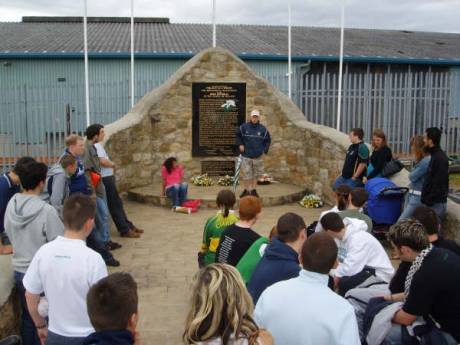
[(401, 100), (34, 120)]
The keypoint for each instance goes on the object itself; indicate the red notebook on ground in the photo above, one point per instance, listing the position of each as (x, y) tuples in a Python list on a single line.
[(192, 204)]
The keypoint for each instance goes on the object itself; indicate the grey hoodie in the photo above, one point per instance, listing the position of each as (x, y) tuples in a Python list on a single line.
[(59, 188), (29, 223)]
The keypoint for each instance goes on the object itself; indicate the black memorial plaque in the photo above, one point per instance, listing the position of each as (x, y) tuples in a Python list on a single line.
[(218, 168), (218, 110)]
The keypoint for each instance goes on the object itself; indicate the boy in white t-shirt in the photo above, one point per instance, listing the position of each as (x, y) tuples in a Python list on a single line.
[(64, 270)]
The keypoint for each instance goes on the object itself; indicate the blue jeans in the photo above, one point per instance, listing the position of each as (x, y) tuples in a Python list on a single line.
[(440, 209), (56, 339), (100, 234), (28, 331), (348, 181), (177, 193), (102, 219), (412, 202), (394, 337)]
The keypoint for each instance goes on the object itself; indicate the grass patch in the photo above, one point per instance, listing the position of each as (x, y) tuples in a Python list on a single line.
[(454, 181)]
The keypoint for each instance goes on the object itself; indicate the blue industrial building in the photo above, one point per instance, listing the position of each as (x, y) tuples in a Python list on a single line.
[(400, 81)]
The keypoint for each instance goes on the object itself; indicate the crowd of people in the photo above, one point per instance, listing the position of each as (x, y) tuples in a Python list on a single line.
[(331, 282), (429, 178), (55, 223)]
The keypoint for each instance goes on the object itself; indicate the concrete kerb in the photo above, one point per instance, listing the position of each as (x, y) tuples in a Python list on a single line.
[(8, 299), (7, 282)]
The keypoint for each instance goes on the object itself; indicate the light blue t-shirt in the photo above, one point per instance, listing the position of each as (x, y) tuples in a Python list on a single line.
[(305, 311)]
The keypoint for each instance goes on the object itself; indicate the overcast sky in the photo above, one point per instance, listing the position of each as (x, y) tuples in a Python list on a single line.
[(422, 15)]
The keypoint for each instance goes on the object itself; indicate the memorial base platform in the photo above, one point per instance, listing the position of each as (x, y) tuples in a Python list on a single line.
[(272, 195)]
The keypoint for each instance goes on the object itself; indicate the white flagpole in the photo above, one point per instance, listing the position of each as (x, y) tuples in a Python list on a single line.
[(132, 53), (339, 101), (289, 50), (213, 23), (85, 42)]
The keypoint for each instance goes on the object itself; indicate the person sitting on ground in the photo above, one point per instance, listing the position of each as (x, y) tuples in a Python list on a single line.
[(380, 156), (124, 226), (342, 198), (281, 258), (65, 264), (113, 311), (251, 258), (253, 141), (221, 310), (428, 218), (239, 237), (436, 185), (215, 225), (30, 222), (431, 287), (57, 182), (304, 310), (361, 255), (416, 176), (173, 187), (9, 186), (356, 201), (356, 160)]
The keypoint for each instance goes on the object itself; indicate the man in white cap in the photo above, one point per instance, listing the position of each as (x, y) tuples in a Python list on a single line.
[(253, 140)]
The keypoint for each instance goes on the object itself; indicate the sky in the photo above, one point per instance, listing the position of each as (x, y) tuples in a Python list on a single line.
[(420, 15)]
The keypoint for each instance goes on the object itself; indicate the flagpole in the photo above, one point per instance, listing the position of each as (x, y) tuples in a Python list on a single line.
[(339, 102), (289, 50), (214, 24), (85, 43), (132, 53)]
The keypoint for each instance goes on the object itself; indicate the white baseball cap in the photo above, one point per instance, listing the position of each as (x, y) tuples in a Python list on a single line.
[(255, 112)]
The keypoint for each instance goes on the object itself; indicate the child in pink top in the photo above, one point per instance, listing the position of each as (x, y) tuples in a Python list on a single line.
[(173, 187)]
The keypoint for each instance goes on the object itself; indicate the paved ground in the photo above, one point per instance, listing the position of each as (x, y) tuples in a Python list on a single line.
[(163, 263)]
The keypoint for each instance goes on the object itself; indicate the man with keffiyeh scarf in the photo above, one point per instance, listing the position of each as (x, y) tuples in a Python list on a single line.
[(431, 286)]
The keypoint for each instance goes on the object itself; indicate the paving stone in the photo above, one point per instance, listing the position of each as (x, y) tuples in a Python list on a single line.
[(164, 260)]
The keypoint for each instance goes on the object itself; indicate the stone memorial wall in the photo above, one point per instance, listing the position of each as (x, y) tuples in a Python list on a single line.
[(161, 125)]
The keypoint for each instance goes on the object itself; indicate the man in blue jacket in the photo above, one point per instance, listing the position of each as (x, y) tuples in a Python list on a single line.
[(253, 140), (281, 258)]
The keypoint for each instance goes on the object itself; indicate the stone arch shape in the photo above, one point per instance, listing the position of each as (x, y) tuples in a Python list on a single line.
[(302, 153)]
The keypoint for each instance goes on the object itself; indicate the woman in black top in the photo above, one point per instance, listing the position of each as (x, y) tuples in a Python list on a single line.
[(381, 154)]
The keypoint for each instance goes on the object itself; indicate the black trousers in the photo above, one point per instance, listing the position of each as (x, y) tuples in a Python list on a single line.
[(348, 283), (115, 205)]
